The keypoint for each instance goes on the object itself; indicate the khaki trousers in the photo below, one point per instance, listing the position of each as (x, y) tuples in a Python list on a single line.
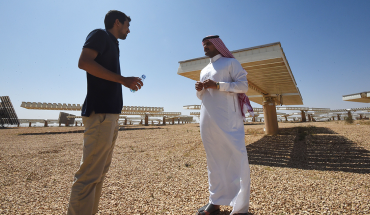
[(99, 139)]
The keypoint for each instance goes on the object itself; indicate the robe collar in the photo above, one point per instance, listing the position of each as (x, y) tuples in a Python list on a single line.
[(215, 58)]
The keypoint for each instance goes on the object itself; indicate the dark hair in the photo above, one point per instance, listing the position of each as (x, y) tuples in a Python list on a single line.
[(111, 17)]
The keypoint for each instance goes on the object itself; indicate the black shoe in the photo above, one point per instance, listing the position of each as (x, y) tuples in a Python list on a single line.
[(212, 209)]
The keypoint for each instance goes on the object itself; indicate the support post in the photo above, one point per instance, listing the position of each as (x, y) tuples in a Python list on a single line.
[(29, 124), (164, 120), (309, 117), (45, 123), (350, 115), (173, 121), (338, 115), (146, 120), (269, 111), (303, 116)]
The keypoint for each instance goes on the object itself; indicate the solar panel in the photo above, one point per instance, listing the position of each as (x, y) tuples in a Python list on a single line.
[(269, 73), (64, 120), (7, 112), (358, 97)]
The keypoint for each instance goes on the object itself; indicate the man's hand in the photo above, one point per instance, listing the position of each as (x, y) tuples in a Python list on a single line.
[(199, 86), (209, 84), (134, 83)]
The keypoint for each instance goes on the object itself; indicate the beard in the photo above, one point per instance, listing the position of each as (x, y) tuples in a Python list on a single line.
[(123, 37)]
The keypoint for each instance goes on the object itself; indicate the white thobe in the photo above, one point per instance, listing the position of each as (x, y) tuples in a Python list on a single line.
[(222, 132)]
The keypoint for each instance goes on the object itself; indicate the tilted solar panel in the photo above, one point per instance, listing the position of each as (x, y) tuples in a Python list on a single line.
[(7, 112)]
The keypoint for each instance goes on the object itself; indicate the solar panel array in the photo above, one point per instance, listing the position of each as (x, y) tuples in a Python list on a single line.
[(77, 107), (7, 112)]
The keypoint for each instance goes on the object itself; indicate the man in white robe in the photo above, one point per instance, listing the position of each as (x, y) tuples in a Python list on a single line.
[(222, 129)]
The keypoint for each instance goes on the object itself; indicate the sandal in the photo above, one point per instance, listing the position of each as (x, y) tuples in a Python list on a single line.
[(212, 209)]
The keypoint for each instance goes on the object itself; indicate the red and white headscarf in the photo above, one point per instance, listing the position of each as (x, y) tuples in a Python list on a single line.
[(244, 102), (220, 46)]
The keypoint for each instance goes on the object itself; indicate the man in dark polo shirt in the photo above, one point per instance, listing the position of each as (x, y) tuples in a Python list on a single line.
[(101, 109)]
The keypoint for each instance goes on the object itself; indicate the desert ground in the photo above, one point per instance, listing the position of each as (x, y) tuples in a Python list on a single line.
[(308, 168)]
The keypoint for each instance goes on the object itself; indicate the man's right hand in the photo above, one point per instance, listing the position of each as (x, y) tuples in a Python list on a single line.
[(134, 83), (199, 86)]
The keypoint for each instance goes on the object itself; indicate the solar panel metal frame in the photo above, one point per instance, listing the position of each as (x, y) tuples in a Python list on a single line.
[(7, 112)]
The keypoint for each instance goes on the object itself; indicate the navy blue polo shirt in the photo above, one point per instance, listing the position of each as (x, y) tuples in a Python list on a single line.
[(103, 96)]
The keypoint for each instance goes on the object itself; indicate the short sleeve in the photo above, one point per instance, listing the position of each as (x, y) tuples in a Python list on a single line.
[(96, 40)]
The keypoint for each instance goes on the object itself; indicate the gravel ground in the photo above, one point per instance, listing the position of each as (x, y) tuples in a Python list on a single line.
[(309, 168)]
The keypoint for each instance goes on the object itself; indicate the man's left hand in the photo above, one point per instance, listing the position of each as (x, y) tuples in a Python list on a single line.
[(209, 84)]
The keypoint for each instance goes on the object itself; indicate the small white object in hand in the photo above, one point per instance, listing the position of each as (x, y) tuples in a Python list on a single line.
[(142, 79)]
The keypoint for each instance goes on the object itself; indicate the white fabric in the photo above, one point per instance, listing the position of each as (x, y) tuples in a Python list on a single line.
[(222, 132)]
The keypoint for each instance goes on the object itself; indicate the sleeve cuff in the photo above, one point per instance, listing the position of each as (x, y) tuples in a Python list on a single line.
[(222, 86)]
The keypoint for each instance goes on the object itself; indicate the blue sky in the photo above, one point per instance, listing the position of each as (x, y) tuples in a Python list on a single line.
[(327, 45)]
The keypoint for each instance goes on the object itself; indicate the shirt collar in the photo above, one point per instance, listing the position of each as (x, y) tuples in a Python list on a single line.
[(112, 37), (215, 58)]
